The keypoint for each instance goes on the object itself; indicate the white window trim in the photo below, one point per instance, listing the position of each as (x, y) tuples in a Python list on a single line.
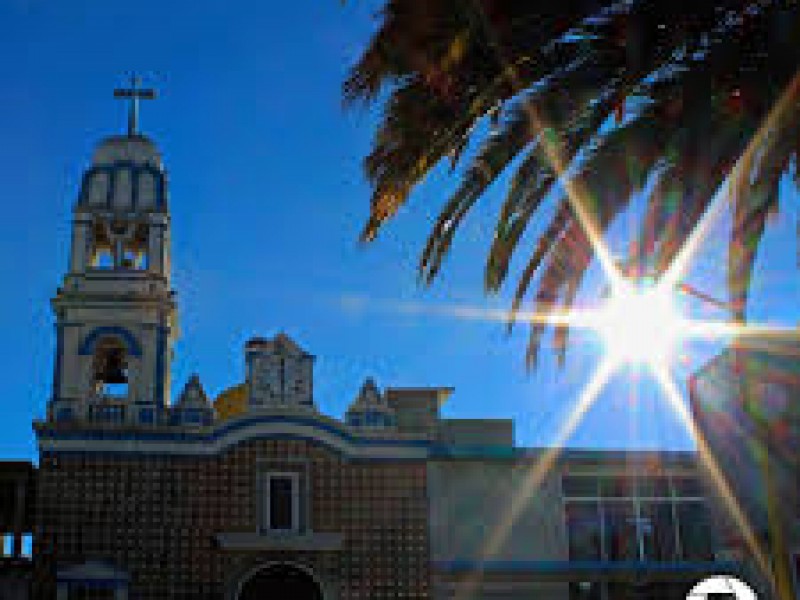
[(295, 479)]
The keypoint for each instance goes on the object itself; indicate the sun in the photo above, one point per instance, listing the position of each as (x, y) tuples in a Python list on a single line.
[(639, 324)]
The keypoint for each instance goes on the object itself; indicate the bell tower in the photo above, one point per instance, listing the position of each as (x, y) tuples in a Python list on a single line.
[(115, 311)]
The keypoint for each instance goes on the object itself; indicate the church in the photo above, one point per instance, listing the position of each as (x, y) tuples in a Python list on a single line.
[(256, 494)]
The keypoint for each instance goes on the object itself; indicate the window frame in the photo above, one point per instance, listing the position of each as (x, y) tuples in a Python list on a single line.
[(266, 502), (677, 497)]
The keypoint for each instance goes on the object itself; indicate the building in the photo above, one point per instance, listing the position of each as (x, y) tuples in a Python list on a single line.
[(257, 494), (16, 524), (742, 401)]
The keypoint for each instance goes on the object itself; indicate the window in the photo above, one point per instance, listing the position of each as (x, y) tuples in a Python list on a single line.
[(134, 258), (120, 244), (687, 487), (281, 507), (631, 517), (103, 258), (580, 487), (134, 248), (695, 531), (620, 524), (619, 486), (658, 531), (583, 526), (653, 487)]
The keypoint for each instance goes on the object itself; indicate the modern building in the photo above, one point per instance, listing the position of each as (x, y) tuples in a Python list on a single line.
[(257, 494), (744, 404)]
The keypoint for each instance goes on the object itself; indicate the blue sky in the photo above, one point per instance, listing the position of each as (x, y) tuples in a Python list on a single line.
[(267, 200)]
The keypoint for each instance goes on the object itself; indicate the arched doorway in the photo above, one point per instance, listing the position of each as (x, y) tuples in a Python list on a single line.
[(280, 581)]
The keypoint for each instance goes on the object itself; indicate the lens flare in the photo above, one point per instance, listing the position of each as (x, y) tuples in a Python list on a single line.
[(639, 324)]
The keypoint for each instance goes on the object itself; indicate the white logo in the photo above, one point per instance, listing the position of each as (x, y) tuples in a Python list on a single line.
[(721, 587)]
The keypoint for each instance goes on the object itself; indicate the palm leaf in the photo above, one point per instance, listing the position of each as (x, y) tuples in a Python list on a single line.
[(625, 93)]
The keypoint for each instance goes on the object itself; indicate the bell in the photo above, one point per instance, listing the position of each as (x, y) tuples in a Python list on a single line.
[(113, 369)]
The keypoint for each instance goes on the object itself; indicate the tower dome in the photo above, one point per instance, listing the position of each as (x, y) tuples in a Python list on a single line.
[(126, 175), (134, 149)]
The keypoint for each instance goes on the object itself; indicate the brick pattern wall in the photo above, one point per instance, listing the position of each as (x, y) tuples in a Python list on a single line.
[(156, 517)]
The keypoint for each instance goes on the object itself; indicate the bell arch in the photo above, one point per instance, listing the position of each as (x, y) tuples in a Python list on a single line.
[(112, 359), (100, 333), (110, 375), (280, 580)]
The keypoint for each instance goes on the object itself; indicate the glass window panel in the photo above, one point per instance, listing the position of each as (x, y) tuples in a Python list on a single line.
[(616, 486), (620, 531), (653, 487), (695, 531), (658, 531), (583, 528), (579, 486), (280, 503), (687, 486)]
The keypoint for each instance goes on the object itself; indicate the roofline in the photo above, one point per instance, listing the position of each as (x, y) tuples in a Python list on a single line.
[(443, 393)]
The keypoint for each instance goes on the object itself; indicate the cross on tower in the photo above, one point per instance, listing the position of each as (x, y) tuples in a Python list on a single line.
[(134, 93)]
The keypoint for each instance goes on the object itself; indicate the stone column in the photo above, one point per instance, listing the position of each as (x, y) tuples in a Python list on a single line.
[(80, 244)]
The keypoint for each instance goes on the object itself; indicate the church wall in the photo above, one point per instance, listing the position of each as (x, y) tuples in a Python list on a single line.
[(157, 517)]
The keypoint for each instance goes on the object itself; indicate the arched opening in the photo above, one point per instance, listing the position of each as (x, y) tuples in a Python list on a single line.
[(280, 581), (120, 244), (111, 368)]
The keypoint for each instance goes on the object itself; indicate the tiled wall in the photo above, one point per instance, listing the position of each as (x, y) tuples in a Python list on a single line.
[(156, 518)]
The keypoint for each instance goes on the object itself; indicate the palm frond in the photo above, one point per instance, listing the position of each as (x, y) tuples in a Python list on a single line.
[(681, 94)]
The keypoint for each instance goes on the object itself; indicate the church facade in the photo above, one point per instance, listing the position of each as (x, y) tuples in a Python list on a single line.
[(256, 494)]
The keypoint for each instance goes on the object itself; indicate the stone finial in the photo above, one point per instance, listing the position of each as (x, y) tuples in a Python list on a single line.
[(369, 396), (370, 407), (193, 393)]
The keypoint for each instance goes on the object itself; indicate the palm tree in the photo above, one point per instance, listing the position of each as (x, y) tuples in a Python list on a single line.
[(672, 98)]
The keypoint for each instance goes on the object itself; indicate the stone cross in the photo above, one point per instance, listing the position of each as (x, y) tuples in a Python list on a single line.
[(134, 93)]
